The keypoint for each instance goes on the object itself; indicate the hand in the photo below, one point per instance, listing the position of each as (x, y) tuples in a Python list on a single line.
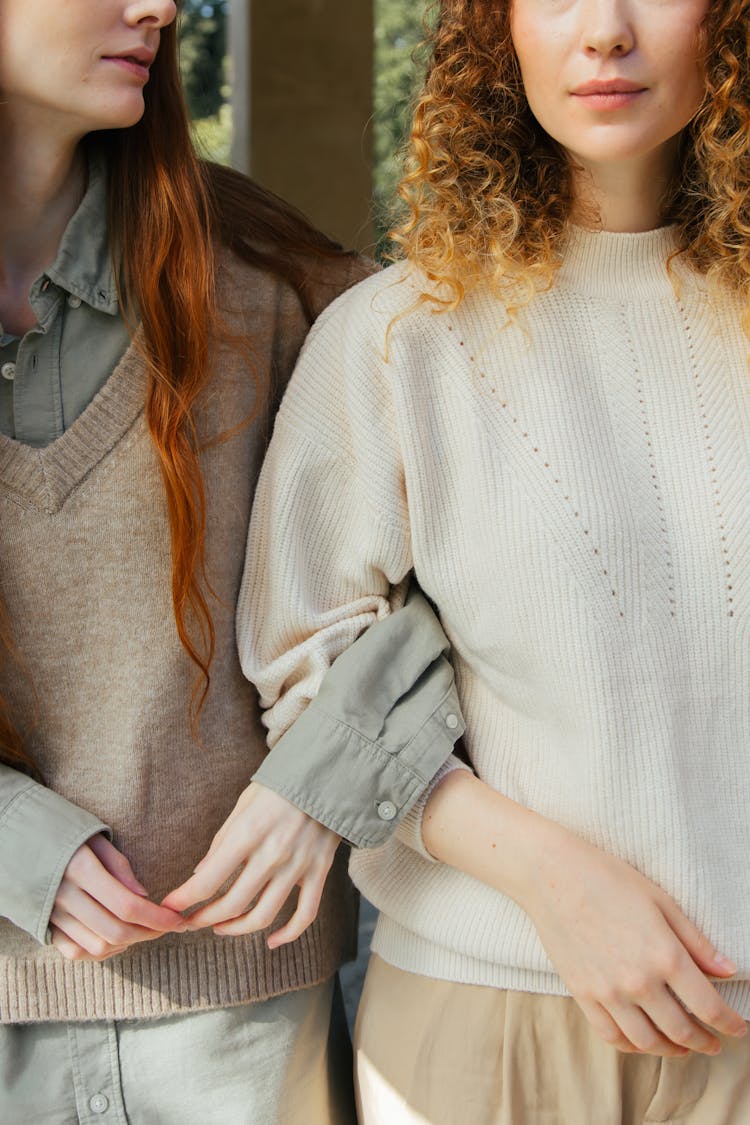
[(271, 847), (628, 955), (101, 908)]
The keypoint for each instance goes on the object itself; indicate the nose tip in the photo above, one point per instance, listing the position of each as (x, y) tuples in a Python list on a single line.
[(157, 13)]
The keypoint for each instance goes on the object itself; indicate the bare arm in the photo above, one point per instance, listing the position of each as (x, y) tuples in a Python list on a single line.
[(634, 963)]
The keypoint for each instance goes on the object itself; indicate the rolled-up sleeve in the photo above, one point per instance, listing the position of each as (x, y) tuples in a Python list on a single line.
[(382, 726), (39, 833)]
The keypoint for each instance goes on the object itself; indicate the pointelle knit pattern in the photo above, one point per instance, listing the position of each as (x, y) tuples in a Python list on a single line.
[(571, 489)]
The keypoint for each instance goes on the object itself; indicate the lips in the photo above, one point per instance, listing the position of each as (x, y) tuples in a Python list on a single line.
[(140, 56), (612, 86)]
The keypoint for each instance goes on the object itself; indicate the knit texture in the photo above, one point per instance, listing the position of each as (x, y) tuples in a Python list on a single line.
[(571, 490), (104, 684)]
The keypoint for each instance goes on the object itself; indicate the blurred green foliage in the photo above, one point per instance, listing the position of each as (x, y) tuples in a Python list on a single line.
[(203, 62), (399, 30)]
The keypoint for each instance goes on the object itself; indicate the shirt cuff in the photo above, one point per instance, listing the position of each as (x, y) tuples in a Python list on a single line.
[(409, 831), (39, 833), (361, 788)]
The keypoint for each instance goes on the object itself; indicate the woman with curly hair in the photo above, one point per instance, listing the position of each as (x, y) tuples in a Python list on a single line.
[(544, 412), (152, 306)]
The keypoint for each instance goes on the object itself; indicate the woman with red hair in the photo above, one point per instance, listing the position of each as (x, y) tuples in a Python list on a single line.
[(151, 308), (544, 412)]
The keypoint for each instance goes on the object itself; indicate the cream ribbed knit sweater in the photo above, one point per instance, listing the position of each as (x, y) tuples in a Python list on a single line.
[(572, 491)]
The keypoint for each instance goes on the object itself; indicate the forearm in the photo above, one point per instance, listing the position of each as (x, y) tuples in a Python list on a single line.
[(638, 967), (477, 830), (382, 726)]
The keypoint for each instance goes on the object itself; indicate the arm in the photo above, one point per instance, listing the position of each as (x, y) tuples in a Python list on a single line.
[(360, 758), (61, 879), (374, 724), (331, 544), (635, 964), (384, 722)]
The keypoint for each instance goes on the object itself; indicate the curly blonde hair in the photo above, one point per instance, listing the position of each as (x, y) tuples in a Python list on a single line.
[(487, 192)]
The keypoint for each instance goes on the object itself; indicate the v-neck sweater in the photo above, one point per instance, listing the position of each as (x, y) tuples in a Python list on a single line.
[(103, 683), (571, 489)]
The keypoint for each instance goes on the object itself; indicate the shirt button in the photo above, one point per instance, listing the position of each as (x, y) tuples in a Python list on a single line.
[(387, 810), (451, 721), (74, 302), (8, 371), (99, 1103)]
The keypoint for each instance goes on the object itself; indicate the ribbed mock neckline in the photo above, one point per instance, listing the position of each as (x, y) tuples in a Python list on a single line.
[(610, 264)]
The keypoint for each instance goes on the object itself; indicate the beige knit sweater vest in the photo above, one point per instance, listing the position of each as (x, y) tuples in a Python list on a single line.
[(86, 573)]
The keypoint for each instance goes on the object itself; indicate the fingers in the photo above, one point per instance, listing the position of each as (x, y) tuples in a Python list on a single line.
[(86, 872), (116, 863), (640, 1030), (263, 912), (681, 1027), (93, 946), (261, 841), (210, 875), (308, 904), (605, 1026), (699, 996), (686, 971), (109, 930), (269, 905), (697, 944), (246, 887), (72, 951)]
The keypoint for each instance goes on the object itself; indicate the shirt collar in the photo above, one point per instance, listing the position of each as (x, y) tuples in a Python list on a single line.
[(83, 266)]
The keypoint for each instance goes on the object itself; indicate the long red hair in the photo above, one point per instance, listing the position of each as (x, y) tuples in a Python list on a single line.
[(168, 211)]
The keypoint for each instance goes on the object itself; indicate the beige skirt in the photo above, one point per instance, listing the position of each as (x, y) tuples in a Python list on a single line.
[(432, 1052)]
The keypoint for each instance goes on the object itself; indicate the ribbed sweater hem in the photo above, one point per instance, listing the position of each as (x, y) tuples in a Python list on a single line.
[(414, 954), (152, 981)]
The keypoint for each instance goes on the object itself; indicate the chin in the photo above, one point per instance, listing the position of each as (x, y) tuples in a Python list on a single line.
[(121, 116)]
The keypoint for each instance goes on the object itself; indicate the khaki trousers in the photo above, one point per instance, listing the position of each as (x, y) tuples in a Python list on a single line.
[(431, 1052)]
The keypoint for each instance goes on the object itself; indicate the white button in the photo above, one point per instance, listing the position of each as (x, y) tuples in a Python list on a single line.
[(74, 302), (8, 371), (99, 1103), (387, 810), (451, 721)]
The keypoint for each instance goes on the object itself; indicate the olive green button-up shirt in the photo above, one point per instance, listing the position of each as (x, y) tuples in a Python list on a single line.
[(50, 375), (359, 778)]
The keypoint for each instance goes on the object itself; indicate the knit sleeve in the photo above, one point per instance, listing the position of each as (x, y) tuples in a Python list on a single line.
[(329, 549)]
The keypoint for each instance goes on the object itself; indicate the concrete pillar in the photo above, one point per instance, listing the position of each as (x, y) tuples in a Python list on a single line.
[(308, 100), (239, 53)]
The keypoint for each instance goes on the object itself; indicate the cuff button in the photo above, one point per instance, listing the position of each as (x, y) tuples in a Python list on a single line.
[(387, 810), (451, 721)]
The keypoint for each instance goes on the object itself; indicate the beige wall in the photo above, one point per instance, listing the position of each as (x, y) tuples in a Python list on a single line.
[(305, 102)]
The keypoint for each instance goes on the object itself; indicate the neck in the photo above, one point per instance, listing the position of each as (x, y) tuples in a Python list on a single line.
[(623, 197), (42, 184)]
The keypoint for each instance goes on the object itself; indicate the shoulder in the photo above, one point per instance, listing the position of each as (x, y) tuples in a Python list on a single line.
[(303, 291), (372, 307)]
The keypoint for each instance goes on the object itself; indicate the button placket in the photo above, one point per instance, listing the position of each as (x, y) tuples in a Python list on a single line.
[(96, 1073)]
